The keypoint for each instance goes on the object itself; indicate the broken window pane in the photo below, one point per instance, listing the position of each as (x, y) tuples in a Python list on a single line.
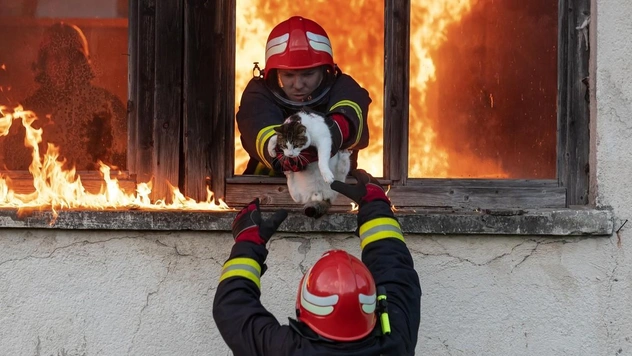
[(65, 60)]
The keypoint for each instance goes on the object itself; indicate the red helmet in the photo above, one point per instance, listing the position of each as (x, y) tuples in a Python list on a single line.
[(337, 297), (298, 43)]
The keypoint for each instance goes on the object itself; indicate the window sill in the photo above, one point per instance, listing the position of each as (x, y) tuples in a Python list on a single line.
[(542, 222)]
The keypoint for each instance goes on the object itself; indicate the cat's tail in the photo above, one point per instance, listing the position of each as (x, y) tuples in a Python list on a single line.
[(316, 209)]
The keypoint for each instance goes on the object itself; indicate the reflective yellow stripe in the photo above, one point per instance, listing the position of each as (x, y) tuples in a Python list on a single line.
[(377, 222), (378, 229), (243, 261), (262, 139), (242, 267), (358, 111)]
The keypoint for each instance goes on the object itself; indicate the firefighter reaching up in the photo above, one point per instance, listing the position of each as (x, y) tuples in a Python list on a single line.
[(344, 306)]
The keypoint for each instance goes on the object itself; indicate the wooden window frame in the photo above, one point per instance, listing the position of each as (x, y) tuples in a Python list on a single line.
[(181, 113)]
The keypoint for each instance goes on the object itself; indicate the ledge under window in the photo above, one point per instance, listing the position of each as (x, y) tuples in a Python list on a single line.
[(542, 222)]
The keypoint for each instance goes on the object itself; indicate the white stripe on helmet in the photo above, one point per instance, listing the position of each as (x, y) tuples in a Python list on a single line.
[(314, 304), (368, 302), (276, 45), (319, 43)]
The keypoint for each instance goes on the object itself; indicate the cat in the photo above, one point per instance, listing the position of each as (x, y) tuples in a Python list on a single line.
[(311, 185)]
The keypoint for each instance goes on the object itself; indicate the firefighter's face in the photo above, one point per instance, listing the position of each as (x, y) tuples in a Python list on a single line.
[(299, 84)]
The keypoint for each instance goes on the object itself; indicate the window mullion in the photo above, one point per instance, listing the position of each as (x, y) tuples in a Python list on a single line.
[(573, 100), (396, 89), (140, 147)]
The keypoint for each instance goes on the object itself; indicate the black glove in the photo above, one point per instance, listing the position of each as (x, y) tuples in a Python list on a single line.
[(249, 226), (367, 190), (368, 194)]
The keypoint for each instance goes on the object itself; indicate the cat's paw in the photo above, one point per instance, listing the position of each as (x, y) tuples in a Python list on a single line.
[(328, 176), (272, 146)]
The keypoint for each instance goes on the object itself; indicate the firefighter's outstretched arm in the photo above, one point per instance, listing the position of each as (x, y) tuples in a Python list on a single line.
[(385, 253), (244, 323)]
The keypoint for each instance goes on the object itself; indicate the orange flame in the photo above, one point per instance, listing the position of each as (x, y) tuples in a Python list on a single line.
[(56, 188), (429, 22)]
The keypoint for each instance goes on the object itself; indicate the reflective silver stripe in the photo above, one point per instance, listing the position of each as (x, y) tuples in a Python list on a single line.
[(380, 228), (242, 267)]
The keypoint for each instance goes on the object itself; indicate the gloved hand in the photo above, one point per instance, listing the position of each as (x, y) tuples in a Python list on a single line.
[(367, 190), (281, 163), (375, 207), (249, 226)]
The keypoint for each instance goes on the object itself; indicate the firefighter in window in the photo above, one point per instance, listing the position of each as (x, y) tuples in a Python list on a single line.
[(300, 72), (87, 123), (344, 306)]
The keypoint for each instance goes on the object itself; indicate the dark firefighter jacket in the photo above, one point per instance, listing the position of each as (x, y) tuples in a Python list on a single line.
[(250, 330), (259, 113)]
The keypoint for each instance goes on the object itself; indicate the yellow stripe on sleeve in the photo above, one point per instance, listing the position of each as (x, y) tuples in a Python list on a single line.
[(378, 229), (262, 137), (358, 112), (242, 267)]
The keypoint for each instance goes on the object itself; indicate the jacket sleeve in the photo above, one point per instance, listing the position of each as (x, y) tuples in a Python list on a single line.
[(257, 116), (244, 323), (390, 262), (352, 101)]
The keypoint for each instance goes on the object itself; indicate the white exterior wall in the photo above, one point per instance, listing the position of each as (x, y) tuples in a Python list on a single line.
[(138, 293)]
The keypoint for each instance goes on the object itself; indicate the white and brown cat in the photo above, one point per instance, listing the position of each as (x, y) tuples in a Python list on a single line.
[(311, 185)]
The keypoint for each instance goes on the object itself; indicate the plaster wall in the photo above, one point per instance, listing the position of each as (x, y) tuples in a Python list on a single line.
[(150, 293)]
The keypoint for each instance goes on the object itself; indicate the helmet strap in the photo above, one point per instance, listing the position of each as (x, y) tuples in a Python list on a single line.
[(275, 85)]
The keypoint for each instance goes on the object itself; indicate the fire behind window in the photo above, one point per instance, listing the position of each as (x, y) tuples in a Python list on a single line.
[(483, 80), (357, 51), (66, 62), (483, 94)]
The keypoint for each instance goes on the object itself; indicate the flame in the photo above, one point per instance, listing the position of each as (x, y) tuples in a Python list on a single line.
[(360, 53), (429, 23), (57, 188)]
